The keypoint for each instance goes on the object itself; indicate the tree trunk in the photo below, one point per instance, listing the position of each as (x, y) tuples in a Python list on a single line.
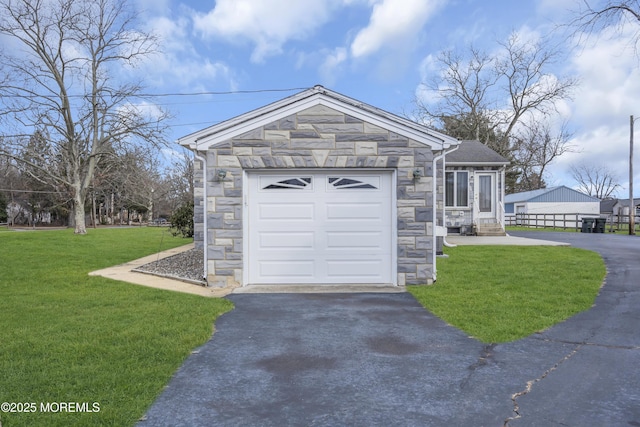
[(78, 213), (93, 209)]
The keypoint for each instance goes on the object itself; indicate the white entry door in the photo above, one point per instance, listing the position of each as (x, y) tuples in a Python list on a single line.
[(485, 195), (319, 227)]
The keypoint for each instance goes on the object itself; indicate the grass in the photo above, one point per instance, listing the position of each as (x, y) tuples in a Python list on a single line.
[(68, 337), (504, 293)]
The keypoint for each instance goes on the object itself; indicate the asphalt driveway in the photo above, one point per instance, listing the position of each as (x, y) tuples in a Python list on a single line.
[(381, 359)]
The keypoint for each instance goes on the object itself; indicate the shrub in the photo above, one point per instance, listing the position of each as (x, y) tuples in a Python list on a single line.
[(182, 221)]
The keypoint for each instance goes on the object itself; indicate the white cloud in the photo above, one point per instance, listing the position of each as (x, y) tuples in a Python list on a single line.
[(179, 63), (610, 88), (332, 63), (393, 22), (268, 24), (556, 8)]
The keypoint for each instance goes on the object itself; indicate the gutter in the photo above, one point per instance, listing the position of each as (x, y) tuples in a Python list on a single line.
[(435, 202), (203, 159)]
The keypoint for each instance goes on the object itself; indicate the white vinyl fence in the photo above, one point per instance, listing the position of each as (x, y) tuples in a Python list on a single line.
[(565, 221)]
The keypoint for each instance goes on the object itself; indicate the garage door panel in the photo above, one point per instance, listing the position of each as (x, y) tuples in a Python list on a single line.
[(276, 270), (354, 211), (286, 211), (369, 270), (355, 240), (286, 240)]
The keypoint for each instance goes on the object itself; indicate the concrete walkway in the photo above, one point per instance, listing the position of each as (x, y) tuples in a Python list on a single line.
[(123, 273), (502, 240)]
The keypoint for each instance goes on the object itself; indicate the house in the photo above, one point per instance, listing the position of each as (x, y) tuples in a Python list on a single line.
[(474, 189), (618, 209), (318, 188), (559, 204), (607, 206)]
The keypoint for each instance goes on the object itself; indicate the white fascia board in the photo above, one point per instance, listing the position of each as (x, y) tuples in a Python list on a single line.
[(196, 140), (239, 125), (477, 163)]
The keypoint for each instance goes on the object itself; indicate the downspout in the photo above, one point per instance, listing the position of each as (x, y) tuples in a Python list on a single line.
[(203, 159), (435, 203), (444, 207)]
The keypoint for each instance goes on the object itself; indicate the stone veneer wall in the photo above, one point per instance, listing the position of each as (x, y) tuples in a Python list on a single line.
[(318, 137)]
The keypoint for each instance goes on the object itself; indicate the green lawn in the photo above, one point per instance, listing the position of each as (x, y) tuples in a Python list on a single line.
[(503, 293), (68, 337)]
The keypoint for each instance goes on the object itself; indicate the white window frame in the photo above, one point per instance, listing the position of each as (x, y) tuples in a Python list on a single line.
[(456, 174)]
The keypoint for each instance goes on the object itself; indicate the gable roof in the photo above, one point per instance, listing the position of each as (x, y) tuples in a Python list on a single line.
[(607, 205), (625, 202), (550, 195), (473, 152), (316, 95)]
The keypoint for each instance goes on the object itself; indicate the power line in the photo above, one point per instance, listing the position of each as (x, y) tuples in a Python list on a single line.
[(234, 92), (162, 95), (29, 191)]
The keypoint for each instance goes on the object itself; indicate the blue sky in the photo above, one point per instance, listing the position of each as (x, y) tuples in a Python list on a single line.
[(376, 51)]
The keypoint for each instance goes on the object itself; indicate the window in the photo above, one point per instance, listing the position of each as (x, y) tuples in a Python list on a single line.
[(342, 183), (291, 183), (457, 189)]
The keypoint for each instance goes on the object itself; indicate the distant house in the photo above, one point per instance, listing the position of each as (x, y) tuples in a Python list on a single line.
[(607, 206), (618, 209), (554, 202), (474, 190)]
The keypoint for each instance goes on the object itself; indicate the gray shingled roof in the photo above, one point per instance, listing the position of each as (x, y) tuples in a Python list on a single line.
[(607, 205), (557, 194), (475, 152)]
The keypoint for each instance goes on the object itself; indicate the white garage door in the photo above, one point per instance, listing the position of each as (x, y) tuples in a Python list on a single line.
[(320, 227)]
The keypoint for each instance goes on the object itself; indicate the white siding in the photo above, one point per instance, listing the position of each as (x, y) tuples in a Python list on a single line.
[(592, 208)]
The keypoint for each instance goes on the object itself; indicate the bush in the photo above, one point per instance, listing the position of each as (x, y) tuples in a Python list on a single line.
[(182, 221)]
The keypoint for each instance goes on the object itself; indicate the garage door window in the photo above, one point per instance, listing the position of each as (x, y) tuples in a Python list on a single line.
[(349, 183), (289, 183)]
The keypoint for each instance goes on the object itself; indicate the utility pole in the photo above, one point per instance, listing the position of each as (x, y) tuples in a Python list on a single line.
[(632, 208)]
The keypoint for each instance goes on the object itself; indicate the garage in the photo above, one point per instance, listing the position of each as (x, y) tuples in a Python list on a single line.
[(317, 188), (320, 227)]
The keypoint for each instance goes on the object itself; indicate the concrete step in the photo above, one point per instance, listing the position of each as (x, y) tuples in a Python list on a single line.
[(490, 229)]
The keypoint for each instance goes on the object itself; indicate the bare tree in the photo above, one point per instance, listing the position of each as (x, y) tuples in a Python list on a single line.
[(181, 179), (611, 14), (597, 181), (61, 80), (492, 98), (465, 107), (536, 146)]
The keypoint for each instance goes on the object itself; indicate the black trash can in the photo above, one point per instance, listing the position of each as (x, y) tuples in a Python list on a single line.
[(587, 225), (600, 224)]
